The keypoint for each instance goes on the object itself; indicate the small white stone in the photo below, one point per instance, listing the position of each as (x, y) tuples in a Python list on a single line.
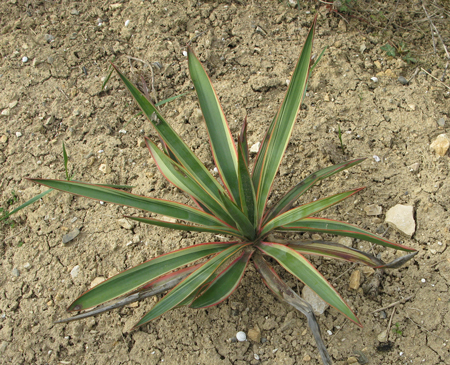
[(255, 147), (127, 22), (216, 170), (105, 168), (185, 54), (376, 158), (256, 356), (382, 337), (24, 59), (241, 336), (96, 281), (125, 223), (123, 131), (423, 280), (329, 332), (318, 305), (441, 144), (101, 202), (402, 218), (75, 271), (101, 151), (374, 79), (5, 112), (18, 134)]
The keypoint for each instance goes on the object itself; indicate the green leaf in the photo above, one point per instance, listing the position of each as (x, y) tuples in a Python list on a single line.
[(302, 269), (185, 227), (341, 252), (224, 284), (177, 175), (243, 140), (390, 51), (244, 225), (298, 190), (138, 276), (110, 195), (24, 205), (335, 251), (318, 59), (305, 210), (324, 225), (66, 160), (189, 285), (277, 137), (173, 141), (222, 144), (247, 199)]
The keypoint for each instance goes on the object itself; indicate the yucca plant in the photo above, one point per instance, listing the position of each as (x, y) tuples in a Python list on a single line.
[(236, 205)]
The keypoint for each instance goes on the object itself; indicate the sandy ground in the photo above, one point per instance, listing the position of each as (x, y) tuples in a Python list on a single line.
[(55, 56)]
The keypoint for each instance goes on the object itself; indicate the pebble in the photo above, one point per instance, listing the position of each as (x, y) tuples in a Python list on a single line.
[(355, 280), (127, 22), (96, 281), (105, 168), (5, 112), (125, 223), (49, 38), (441, 144), (377, 64), (319, 306), (374, 79), (75, 271), (346, 241), (414, 167), (373, 209), (74, 12), (169, 219), (70, 236), (123, 131), (390, 73), (26, 265), (256, 356), (254, 334), (185, 53), (24, 59), (402, 218), (376, 158), (115, 6), (141, 142), (255, 147), (18, 134), (382, 337), (402, 80), (241, 336), (352, 360), (306, 358), (441, 122), (15, 272), (4, 139)]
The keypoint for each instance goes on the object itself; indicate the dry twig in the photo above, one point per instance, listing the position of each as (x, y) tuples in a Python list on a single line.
[(394, 304), (448, 87)]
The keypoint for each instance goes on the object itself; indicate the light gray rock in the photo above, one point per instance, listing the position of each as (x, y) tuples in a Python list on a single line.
[(75, 271), (125, 223), (441, 144), (402, 218), (318, 305), (373, 209), (70, 236)]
